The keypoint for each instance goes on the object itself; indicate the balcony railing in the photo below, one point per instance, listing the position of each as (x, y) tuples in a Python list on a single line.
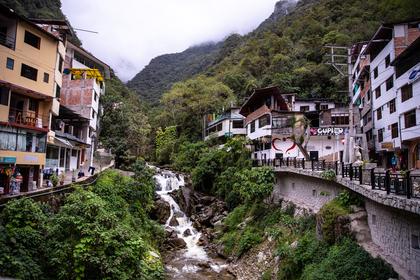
[(400, 183), (7, 41), (28, 118)]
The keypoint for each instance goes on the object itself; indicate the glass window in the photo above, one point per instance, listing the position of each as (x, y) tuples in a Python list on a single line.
[(379, 114), (32, 39), (252, 126), (62, 152), (7, 139), (392, 108), (406, 92), (33, 105), (390, 83), (4, 96), (57, 91), (387, 61), (324, 107), (380, 135), (304, 108), (378, 92), (74, 153), (60, 64), (29, 72), (219, 126), (264, 120), (394, 130), (46, 77), (10, 64), (93, 114), (237, 124), (41, 143), (375, 72), (410, 119)]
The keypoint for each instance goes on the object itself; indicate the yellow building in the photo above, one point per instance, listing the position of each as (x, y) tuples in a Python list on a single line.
[(31, 62)]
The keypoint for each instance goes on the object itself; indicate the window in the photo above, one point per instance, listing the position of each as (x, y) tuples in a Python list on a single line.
[(415, 241), (410, 119), (57, 91), (375, 72), (60, 64), (219, 127), (390, 83), (394, 130), (373, 219), (369, 136), (304, 108), (93, 116), (340, 120), (74, 153), (95, 96), (380, 135), (29, 72), (379, 114), (264, 120), (392, 108), (378, 92), (10, 64), (252, 128), (387, 61), (46, 77), (33, 105), (237, 124), (324, 107), (4, 96), (368, 94), (32, 39), (406, 92)]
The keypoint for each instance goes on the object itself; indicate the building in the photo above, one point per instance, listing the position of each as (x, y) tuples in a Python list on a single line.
[(66, 150), (407, 86), (228, 124), (388, 107), (83, 85), (275, 120), (361, 99), (31, 65)]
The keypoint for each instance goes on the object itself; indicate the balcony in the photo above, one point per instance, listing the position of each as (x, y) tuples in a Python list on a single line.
[(28, 119)]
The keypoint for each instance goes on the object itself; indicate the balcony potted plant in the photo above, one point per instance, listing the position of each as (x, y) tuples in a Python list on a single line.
[(62, 177)]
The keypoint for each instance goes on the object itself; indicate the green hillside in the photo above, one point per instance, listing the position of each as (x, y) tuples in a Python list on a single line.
[(44, 9)]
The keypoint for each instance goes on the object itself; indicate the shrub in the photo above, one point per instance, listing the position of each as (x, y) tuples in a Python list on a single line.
[(256, 183), (249, 238), (328, 175), (328, 215)]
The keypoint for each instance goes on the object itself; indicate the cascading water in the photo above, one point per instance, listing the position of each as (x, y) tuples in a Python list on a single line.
[(186, 263)]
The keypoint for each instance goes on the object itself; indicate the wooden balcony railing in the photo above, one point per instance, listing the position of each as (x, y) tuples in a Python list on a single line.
[(28, 118)]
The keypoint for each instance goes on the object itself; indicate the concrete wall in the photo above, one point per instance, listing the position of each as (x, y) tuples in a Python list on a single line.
[(304, 191), (395, 232)]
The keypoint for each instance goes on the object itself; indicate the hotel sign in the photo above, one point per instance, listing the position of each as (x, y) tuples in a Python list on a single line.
[(414, 75), (327, 131), (387, 145)]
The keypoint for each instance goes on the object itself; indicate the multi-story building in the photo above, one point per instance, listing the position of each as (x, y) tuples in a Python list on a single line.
[(228, 124), (361, 99), (274, 120), (83, 85), (386, 45), (31, 65), (407, 86)]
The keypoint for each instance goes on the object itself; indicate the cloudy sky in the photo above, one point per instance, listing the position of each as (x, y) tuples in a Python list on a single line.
[(132, 32)]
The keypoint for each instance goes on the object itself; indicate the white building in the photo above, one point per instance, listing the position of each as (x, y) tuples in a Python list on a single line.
[(387, 43), (228, 124)]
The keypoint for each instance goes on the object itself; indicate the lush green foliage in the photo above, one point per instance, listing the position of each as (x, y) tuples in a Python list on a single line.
[(99, 233), (165, 144), (125, 129), (328, 175), (328, 215)]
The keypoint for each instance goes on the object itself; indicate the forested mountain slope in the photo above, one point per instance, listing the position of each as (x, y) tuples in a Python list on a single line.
[(45, 9)]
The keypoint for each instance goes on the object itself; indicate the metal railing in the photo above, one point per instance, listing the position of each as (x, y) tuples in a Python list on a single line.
[(28, 118), (399, 183)]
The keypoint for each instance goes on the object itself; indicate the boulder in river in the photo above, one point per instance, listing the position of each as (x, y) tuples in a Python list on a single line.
[(160, 211), (187, 232), (173, 222)]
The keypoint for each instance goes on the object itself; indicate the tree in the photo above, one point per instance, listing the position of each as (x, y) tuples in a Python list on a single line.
[(165, 144)]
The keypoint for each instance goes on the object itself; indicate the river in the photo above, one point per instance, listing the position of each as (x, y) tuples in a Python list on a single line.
[(193, 262)]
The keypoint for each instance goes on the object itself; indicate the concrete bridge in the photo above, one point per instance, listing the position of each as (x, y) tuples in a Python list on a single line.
[(392, 203)]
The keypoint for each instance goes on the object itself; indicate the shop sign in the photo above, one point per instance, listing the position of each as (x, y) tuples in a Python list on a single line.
[(8, 160), (414, 75), (30, 159), (387, 145), (321, 131)]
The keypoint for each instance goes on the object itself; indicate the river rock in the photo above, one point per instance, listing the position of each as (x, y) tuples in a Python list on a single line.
[(187, 232), (176, 243), (160, 211), (173, 222)]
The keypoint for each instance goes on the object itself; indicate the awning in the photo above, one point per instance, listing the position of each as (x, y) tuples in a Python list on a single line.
[(91, 73), (60, 141)]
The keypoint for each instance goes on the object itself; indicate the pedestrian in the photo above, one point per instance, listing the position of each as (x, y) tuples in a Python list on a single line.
[(394, 163)]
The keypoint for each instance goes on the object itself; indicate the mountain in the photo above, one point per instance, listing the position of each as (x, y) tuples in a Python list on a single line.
[(165, 70)]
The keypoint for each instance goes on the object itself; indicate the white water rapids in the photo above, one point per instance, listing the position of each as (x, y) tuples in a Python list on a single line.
[(187, 261)]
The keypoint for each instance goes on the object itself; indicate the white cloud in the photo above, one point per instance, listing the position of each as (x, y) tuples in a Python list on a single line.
[(132, 32)]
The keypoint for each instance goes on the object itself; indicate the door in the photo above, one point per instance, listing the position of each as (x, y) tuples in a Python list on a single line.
[(24, 171), (313, 155)]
